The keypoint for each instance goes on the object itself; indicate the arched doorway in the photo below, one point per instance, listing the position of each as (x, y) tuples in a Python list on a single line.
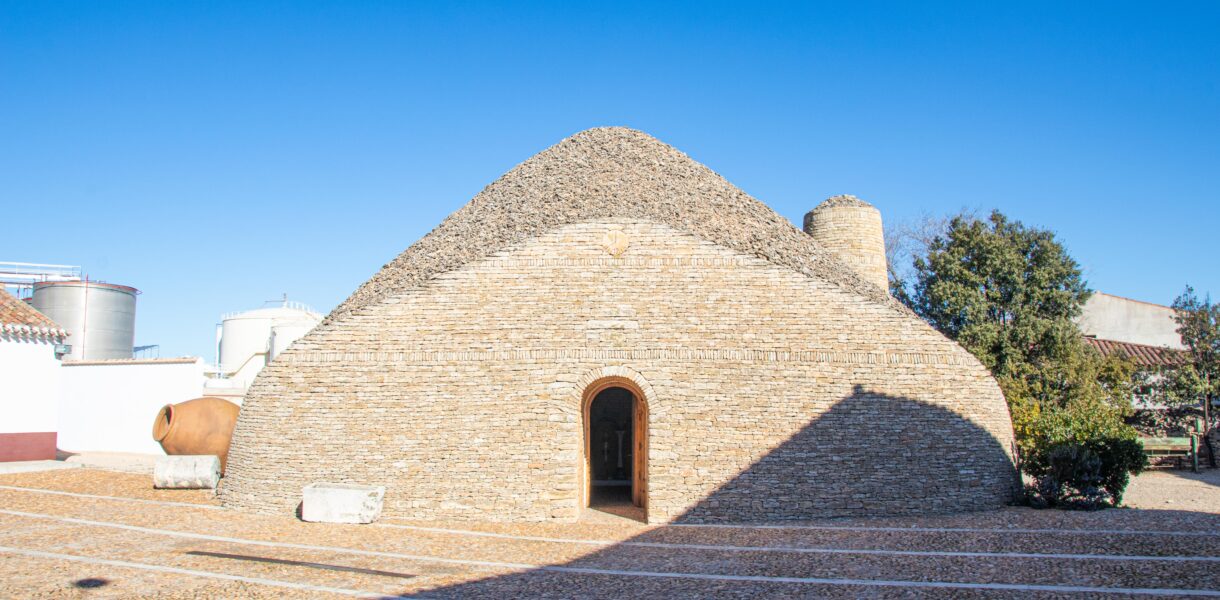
[(616, 444)]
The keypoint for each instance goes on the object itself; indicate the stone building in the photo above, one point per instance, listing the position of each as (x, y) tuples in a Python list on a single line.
[(612, 320)]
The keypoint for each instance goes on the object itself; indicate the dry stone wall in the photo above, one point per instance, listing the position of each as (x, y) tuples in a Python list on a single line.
[(851, 229), (773, 395)]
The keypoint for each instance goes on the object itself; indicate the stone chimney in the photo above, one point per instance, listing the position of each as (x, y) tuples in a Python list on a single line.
[(851, 229)]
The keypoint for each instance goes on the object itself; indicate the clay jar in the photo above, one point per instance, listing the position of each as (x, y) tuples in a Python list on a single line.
[(199, 426)]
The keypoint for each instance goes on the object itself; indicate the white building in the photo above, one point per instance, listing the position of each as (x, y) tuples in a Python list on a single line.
[(30, 347), (50, 403), (1118, 319), (109, 405), (1143, 332)]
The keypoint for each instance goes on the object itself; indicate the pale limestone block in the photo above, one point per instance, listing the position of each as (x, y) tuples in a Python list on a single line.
[(341, 503), (186, 472)]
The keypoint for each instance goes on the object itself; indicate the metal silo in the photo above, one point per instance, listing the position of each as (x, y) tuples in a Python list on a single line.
[(251, 339), (245, 339), (101, 317)]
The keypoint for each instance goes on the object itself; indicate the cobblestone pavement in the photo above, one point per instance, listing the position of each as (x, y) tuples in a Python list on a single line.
[(85, 533)]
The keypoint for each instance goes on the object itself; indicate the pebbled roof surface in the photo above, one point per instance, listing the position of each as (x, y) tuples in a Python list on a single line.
[(609, 172)]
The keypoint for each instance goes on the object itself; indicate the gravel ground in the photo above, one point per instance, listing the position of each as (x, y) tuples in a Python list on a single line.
[(105, 483), (58, 546), (1165, 489)]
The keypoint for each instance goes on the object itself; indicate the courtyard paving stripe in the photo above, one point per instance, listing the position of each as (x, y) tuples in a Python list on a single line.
[(771, 579), (318, 568), (118, 498), (803, 550), (270, 544), (949, 529), (194, 573), (991, 546), (782, 527), (907, 584), (1150, 545)]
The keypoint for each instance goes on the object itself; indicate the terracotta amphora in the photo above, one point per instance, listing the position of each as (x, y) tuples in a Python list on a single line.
[(199, 426)]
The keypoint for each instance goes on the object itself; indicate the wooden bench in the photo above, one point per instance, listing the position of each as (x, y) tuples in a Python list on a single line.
[(1161, 450)]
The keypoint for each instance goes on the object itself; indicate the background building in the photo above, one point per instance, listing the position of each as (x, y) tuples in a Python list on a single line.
[(29, 381), (1125, 321), (73, 382)]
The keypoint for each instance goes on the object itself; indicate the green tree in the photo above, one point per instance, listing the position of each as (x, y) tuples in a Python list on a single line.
[(1005, 292), (1009, 293), (1198, 381)]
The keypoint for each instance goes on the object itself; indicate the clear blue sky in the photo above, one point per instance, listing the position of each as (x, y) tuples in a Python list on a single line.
[(216, 155)]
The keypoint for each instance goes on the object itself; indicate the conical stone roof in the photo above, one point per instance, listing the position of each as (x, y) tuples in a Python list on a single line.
[(608, 172)]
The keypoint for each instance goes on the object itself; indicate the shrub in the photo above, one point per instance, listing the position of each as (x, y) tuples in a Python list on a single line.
[(1067, 475), (1083, 475), (1120, 458)]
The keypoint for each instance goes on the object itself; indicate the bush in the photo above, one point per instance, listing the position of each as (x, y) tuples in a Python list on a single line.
[(1067, 475), (1083, 475), (1053, 407), (1120, 458)]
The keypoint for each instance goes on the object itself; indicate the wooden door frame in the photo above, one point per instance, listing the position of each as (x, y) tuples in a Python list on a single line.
[(639, 433)]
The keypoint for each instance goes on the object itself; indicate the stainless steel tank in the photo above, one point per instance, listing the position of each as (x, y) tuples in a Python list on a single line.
[(100, 317)]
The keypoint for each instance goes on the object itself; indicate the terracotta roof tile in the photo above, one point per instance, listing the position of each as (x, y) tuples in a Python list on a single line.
[(1141, 354), (14, 311)]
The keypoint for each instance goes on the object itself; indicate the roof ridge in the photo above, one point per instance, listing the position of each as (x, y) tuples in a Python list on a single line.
[(1133, 300), (1110, 341)]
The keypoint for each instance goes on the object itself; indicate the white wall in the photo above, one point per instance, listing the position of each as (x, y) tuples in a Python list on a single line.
[(29, 385), (1124, 320), (110, 406)]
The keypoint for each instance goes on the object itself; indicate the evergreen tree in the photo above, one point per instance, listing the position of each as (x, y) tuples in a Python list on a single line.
[(1006, 292), (1009, 293)]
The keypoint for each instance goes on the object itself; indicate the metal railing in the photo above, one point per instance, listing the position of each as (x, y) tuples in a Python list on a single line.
[(19, 272), (293, 304)]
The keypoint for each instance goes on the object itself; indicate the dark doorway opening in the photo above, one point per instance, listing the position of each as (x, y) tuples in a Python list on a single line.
[(612, 438)]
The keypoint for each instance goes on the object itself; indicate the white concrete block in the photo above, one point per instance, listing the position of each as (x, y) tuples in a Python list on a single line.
[(187, 472), (341, 503)]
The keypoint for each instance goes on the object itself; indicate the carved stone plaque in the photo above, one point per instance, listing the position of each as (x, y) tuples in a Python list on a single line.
[(615, 241)]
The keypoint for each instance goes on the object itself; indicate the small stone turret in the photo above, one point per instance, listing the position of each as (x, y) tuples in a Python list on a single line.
[(851, 229)]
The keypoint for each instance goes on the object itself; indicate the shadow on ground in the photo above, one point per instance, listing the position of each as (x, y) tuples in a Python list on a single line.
[(870, 454)]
